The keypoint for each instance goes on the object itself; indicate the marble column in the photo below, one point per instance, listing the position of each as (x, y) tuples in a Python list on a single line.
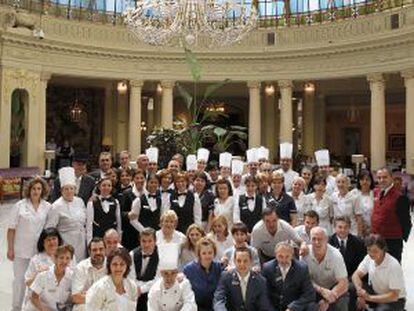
[(134, 128), (270, 137), (409, 119), (286, 123), (5, 120), (309, 123), (122, 123), (167, 104), (254, 114), (378, 148), (41, 137)]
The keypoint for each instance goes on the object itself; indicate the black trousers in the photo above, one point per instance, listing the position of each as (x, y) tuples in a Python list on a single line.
[(395, 247), (142, 302), (398, 305)]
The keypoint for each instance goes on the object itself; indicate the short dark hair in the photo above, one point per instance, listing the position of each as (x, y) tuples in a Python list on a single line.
[(319, 179), (376, 239), (95, 240), (239, 227), (252, 179), (47, 233), (153, 176), (268, 211), (311, 214), (366, 174), (201, 175), (124, 255), (224, 181), (344, 219), (148, 232), (243, 249)]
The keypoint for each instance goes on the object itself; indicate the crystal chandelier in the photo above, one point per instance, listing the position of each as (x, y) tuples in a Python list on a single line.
[(191, 22)]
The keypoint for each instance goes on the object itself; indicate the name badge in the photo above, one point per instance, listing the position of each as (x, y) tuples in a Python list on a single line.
[(245, 207), (175, 201), (279, 278), (146, 206), (235, 283), (52, 290)]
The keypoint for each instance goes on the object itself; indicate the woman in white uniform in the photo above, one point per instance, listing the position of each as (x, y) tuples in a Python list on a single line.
[(343, 201), (364, 202), (51, 289), (224, 202), (26, 224), (301, 200), (320, 202), (68, 214), (47, 246), (114, 292)]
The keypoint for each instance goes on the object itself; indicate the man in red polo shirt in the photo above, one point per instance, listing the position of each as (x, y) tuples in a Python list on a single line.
[(391, 215)]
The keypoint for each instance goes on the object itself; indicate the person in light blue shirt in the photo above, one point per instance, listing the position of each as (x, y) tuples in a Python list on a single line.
[(204, 274)]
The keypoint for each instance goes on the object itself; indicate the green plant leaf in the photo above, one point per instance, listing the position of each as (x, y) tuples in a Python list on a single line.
[(238, 128), (208, 127), (241, 135), (193, 65), (211, 89), (188, 99)]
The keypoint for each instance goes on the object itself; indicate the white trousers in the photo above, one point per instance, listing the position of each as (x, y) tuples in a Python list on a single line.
[(19, 287)]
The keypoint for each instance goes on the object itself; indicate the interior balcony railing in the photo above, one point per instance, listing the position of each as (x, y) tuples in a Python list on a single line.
[(281, 13)]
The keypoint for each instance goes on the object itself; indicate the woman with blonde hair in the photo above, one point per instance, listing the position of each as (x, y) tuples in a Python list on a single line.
[(220, 235), (188, 251), (168, 232), (26, 224)]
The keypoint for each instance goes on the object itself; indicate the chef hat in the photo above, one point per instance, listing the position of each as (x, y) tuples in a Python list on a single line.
[(67, 176), (251, 155), (322, 157), (152, 154), (286, 150), (191, 162), (225, 159), (237, 167), (263, 153), (168, 254), (202, 154)]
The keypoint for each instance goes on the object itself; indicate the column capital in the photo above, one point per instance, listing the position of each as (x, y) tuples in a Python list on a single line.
[(45, 76), (169, 84), (284, 84), (136, 83), (253, 84), (408, 74), (376, 78)]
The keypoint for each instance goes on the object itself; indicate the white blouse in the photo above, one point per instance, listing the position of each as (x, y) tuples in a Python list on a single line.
[(226, 209), (28, 224), (52, 293), (222, 246), (345, 206), (102, 296), (302, 205), (364, 206), (324, 210)]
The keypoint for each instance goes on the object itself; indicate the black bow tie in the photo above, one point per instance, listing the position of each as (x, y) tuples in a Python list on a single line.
[(152, 196), (182, 194), (250, 198), (165, 191), (146, 256), (109, 199)]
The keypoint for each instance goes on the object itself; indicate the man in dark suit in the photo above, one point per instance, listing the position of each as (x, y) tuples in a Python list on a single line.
[(353, 251), (241, 289), (85, 184), (105, 164), (144, 266), (288, 281)]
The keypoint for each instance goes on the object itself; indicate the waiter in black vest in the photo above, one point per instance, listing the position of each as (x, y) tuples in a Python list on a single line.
[(144, 266)]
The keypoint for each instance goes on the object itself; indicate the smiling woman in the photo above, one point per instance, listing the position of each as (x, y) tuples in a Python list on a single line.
[(114, 291)]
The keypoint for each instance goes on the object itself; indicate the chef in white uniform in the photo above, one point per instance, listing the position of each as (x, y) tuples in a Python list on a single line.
[(252, 163), (68, 214), (286, 152), (237, 168), (167, 294), (263, 155), (323, 160)]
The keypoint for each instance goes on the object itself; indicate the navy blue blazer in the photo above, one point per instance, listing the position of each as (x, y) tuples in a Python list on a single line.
[(296, 292), (228, 296)]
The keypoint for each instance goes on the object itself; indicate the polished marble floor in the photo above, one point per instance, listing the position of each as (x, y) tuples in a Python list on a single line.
[(6, 269)]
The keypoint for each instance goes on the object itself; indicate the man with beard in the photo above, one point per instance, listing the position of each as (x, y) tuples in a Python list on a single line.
[(87, 272)]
